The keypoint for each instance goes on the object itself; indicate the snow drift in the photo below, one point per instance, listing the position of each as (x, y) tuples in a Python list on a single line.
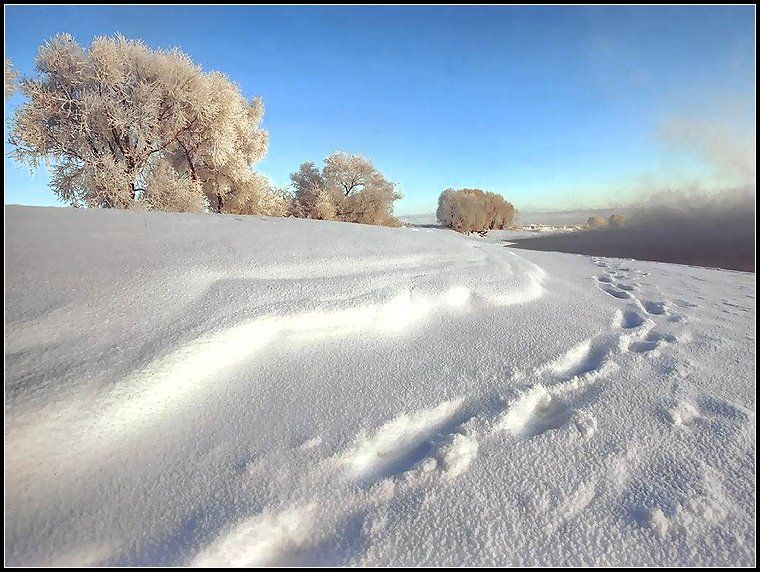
[(188, 389)]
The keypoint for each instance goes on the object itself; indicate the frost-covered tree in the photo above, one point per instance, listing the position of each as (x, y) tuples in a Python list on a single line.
[(168, 190), (10, 79), (227, 141), (258, 197), (119, 118), (473, 210), (346, 174), (323, 207), (349, 188), (311, 194), (445, 211), (277, 202)]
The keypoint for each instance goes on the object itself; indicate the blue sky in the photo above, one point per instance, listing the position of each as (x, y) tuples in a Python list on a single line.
[(554, 107)]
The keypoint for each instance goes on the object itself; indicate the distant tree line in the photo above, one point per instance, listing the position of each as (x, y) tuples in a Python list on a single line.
[(121, 125)]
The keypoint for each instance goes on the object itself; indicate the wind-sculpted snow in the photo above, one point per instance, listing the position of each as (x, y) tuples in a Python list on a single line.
[(260, 540), (171, 382), (244, 391)]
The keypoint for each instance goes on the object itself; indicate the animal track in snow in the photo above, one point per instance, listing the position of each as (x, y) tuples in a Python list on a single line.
[(641, 340), (540, 409), (705, 408), (675, 318), (655, 308), (412, 447), (619, 468), (586, 359), (614, 292), (569, 360), (400, 443), (614, 279), (534, 412), (629, 320), (719, 408), (652, 341), (577, 501), (705, 506), (264, 539)]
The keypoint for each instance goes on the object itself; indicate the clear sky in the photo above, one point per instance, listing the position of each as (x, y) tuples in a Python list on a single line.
[(554, 107)]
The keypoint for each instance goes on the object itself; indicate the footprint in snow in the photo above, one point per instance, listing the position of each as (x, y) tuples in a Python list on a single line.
[(615, 293), (655, 308), (585, 360), (630, 319), (411, 440), (539, 410), (651, 342), (719, 408)]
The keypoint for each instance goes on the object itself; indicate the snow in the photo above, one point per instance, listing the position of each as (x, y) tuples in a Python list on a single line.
[(188, 389)]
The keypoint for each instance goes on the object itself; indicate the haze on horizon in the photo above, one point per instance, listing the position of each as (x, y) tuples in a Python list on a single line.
[(555, 108)]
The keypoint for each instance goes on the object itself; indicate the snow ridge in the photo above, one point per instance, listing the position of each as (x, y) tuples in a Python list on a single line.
[(408, 397), (434, 447)]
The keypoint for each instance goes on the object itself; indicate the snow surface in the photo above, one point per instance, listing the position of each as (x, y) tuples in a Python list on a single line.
[(226, 390)]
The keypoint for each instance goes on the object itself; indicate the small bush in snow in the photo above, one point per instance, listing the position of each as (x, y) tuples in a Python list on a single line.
[(616, 220), (473, 210), (596, 222)]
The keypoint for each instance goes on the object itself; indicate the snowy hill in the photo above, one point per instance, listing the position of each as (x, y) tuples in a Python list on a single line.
[(231, 390)]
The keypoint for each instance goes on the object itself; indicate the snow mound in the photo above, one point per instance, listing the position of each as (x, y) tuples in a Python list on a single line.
[(210, 390)]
